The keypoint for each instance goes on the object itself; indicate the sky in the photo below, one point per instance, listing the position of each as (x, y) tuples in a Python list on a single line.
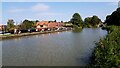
[(59, 0), (60, 11), (0, 12)]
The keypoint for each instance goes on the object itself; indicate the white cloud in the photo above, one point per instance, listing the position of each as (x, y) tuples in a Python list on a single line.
[(37, 7), (40, 7)]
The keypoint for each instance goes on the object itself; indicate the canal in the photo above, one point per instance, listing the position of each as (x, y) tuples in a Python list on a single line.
[(54, 49)]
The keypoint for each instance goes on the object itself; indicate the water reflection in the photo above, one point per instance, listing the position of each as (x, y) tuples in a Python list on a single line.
[(53, 49)]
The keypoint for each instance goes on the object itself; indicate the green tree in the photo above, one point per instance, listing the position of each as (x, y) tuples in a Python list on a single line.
[(37, 21), (76, 20), (95, 21), (114, 18), (10, 25), (92, 21), (55, 21), (26, 24), (87, 20), (61, 21)]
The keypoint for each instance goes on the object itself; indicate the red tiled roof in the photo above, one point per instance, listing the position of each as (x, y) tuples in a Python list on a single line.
[(42, 23), (50, 24)]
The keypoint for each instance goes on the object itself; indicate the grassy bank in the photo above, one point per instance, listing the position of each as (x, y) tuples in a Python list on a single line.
[(107, 52), (9, 36)]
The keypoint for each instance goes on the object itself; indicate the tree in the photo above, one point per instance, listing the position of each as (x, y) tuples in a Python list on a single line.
[(87, 20), (26, 24), (10, 25), (37, 21), (61, 21), (95, 21), (114, 18), (92, 21), (76, 20), (55, 21)]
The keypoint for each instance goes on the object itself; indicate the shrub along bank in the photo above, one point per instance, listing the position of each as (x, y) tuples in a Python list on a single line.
[(107, 51)]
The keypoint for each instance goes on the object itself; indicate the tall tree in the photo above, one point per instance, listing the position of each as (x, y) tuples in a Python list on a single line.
[(61, 21), (114, 18), (92, 21), (10, 25), (87, 20), (37, 21), (26, 24), (76, 20), (55, 21), (95, 21)]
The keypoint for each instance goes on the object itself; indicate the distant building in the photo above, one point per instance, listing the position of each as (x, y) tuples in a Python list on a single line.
[(48, 25), (42, 25)]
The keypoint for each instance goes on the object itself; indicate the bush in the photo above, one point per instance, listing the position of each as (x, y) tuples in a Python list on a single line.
[(107, 51), (76, 28)]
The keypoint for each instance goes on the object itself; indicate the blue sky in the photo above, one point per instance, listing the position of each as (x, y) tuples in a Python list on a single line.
[(59, 0), (0, 12), (60, 11)]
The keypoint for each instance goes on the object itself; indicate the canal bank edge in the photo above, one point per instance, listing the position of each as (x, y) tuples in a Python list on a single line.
[(4, 37)]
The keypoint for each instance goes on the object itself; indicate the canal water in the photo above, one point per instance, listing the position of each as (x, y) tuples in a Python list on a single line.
[(55, 49)]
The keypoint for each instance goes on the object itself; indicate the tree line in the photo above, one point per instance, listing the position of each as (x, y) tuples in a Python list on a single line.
[(88, 22), (95, 21), (24, 25), (76, 21)]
